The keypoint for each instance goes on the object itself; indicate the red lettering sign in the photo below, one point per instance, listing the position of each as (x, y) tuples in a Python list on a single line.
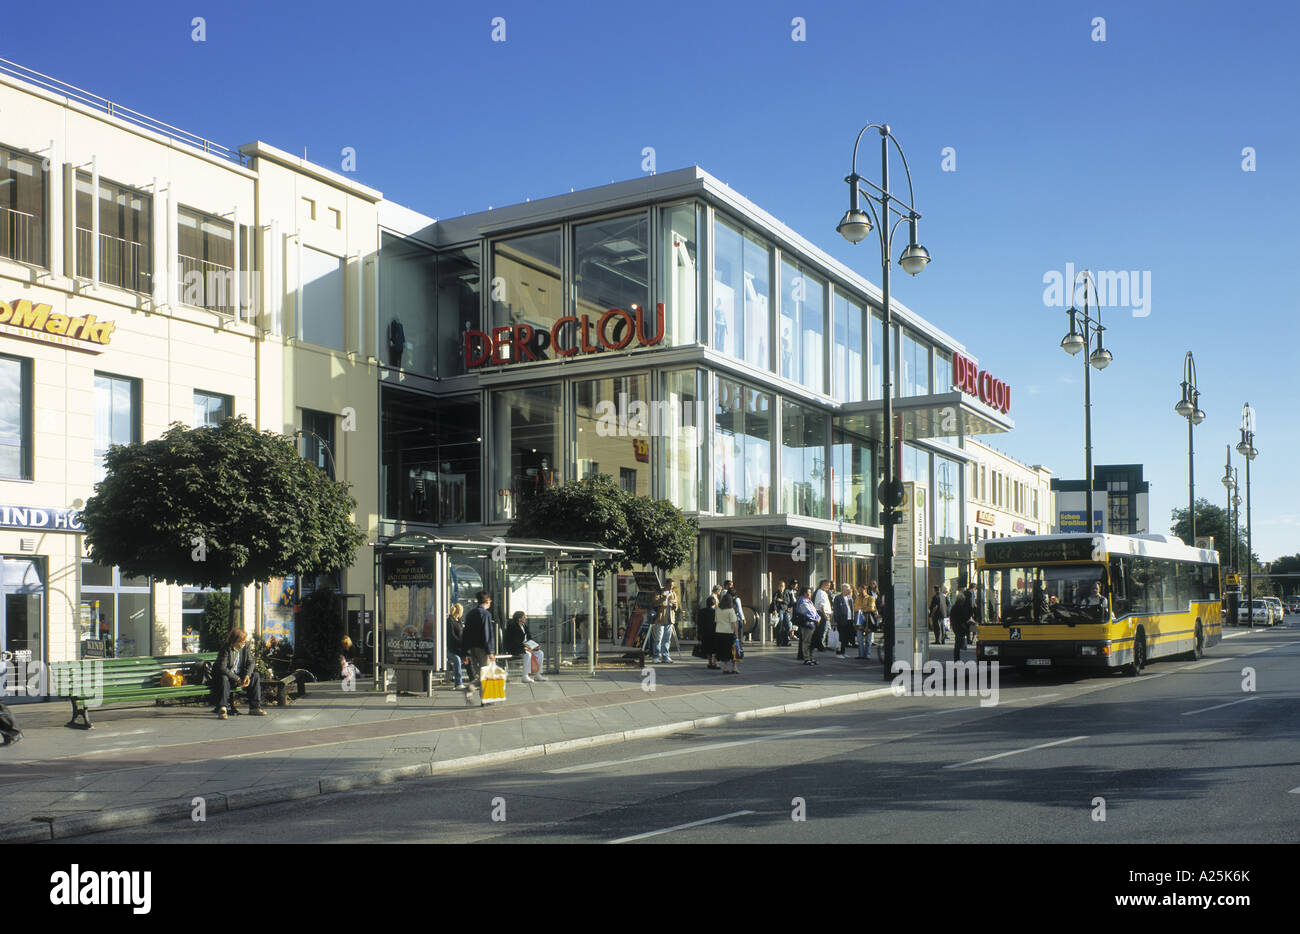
[(615, 330), (970, 379)]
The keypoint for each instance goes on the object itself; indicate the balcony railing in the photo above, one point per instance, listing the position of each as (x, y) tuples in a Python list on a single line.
[(123, 263), (21, 237), (74, 93), (207, 285)]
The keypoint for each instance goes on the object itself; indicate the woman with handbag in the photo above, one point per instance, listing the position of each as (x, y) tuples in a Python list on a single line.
[(706, 631), (726, 631)]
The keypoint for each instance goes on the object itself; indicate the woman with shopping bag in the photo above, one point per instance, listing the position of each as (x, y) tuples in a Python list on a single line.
[(726, 629), (521, 643)]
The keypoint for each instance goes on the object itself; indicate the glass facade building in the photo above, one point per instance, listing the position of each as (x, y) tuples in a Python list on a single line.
[(671, 335)]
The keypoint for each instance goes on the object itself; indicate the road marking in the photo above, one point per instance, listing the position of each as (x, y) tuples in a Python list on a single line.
[(1220, 706), (936, 713), (1295, 790), (568, 769), (1016, 752), (1212, 661), (694, 823)]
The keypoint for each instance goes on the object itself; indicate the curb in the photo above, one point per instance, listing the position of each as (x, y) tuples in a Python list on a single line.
[(77, 825)]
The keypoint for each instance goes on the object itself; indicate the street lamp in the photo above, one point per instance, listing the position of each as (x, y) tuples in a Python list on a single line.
[(1229, 483), (324, 446), (1189, 407), (854, 227), (1246, 448), (1100, 358)]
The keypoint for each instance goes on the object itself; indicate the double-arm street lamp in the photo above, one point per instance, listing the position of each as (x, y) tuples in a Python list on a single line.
[(1230, 483), (854, 227), (1189, 407), (1100, 358), (1246, 448)]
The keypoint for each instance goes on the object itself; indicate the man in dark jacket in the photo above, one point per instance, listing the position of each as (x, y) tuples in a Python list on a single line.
[(940, 609), (237, 669), (479, 639), (842, 610), (963, 609)]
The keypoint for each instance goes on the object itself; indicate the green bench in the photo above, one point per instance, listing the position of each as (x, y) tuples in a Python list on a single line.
[(121, 680)]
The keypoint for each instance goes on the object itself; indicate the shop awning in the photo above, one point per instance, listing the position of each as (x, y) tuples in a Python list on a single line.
[(943, 415)]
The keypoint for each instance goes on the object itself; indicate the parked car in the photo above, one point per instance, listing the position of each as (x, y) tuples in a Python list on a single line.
[(1259, 610)]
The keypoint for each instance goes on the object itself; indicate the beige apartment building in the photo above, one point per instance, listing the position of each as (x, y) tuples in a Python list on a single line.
[(148, 276)]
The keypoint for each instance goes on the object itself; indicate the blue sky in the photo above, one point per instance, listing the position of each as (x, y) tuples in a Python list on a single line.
[(1117, 155)]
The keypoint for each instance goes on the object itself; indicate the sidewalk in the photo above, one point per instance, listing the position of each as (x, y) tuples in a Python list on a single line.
[(144, 763)]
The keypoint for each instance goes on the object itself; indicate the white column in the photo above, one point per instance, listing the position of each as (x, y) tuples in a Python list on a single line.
[(239, 292)]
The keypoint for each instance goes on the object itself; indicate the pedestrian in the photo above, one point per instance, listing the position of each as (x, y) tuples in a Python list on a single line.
[(706, 626), (659, 641), (961, 616), (519, 641), (822, 600), (875, 619), (778, 609), (807, 619), (455, 652), (235, 669), (843, 615), (726, 630), (478, 637), (861, 622), (940, 608), (8, 728)]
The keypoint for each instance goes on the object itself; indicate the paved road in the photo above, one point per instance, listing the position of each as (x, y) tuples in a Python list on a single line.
[(1181, 754)]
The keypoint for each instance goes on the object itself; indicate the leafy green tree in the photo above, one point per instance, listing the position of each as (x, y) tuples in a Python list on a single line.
[(596, 509), (1214, 521), (219, 506)]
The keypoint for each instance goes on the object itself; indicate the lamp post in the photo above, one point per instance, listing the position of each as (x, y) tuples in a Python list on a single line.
[(1189, 407), (854, 227), (1100, 358), (1229, 484), (1246, 448), (1236, 520), (324, 446)]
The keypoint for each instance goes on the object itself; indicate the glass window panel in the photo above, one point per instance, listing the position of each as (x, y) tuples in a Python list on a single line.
[(526, 273), (728, 289), (526, 441), (460, 277), (23, 182), (211, 408), (803, 460), (125, 234), (616, 418), (679, 288), (205, 248), (853, 480), (758, 291), (15, 418), (408, 294), (847, 351), (802, 327), (875, 389), (742, 468), (681, 448), (318, 440), (612, 269), (947, 501), (942, 371), (116, 402)]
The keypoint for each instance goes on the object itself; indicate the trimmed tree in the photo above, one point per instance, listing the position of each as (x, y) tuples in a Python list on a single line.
[(596, 509), (220, 506)]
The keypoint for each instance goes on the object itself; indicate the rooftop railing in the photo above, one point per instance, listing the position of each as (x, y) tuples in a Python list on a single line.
[(112, 109)]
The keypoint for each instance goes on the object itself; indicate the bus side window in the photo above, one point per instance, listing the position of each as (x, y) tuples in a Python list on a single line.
[(1119, 604)]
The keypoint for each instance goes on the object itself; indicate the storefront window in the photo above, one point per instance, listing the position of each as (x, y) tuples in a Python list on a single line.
[(116, 613), (942, 371), (915, 367), (947, 501), (526, 445), (682, 446), (854, 481), (915, 465), (847, 374), (742, 453), (803, 460), (22, 615), (680, 285), (459, 291), (432, 455), (741, 295), (802, 327), (526, 283), (611, 260), (408, 275), (615, 420)]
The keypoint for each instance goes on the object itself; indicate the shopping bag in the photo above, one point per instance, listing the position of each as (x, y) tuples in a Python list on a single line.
[(535, 665), (833, 640), (492, 680)]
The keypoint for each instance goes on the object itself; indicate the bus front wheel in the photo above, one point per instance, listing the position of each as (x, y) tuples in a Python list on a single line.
[(1198, 650), (1134, 668)]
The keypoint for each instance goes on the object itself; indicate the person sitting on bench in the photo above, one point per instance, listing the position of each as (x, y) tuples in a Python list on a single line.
[(235, 669)]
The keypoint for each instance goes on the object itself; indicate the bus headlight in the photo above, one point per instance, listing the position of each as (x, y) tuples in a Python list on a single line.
[(990, 651)]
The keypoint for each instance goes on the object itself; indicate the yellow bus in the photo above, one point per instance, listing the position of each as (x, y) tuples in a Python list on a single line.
[(1094, 601)]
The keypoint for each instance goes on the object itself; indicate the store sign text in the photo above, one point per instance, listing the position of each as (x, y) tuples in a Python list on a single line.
[(570, 335), (39, 322), (985, 518), (40, 517), (969, 378)]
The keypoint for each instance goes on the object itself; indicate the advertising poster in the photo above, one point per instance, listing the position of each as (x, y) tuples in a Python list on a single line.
[(279, 599), (409, 622)]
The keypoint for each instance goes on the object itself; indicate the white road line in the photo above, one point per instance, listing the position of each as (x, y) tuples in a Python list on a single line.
[(936, 713), (694, 823), (1295, 790), (689, 751), (1211, 661), (1220, 706), (1015, 752)]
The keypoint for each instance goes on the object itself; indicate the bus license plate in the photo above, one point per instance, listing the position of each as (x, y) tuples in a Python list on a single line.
[(1038, 661)]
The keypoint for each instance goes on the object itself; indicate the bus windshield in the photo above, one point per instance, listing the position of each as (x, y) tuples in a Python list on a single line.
[(1052, 594)]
